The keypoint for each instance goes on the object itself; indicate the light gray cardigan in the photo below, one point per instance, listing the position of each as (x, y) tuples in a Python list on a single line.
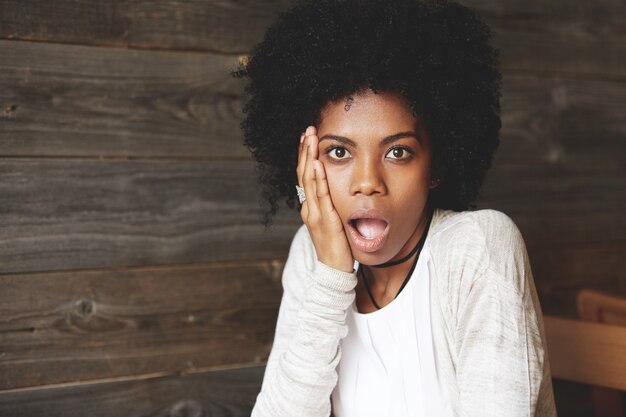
[(486, 322)]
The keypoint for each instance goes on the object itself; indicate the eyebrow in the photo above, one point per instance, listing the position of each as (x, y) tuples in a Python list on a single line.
[(385, 141)]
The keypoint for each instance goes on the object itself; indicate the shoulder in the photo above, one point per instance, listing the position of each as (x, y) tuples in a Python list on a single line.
[(486, 231), (482, 242), (484, 222)]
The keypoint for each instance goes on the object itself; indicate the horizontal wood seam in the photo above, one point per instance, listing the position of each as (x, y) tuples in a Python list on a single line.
[(199, 158), (131, 47), (140, 377), (148, 268), (508, 70)]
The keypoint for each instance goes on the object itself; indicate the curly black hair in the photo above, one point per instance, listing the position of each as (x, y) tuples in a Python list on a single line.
[(435, 54)]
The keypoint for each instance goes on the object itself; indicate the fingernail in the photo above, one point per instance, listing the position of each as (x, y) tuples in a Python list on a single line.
[(301, 138), (309, 130)]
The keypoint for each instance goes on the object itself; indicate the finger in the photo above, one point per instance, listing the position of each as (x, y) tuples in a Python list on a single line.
[(323, 192), (311, 139), (308, 181), (302, 149), (304, 207), (312, 134), (304, 211)]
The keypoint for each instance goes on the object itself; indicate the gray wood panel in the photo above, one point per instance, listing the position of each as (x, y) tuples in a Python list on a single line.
[(62, 214), (559, 121), (86, 101), (79, 101), (222, 26), (219, 26), (227, 393), (560, 171), (73, 214), (562, 270), (91, 325), (586, 38), (559, 205)]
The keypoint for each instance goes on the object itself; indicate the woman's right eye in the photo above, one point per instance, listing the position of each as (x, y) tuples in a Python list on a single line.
[(337, 153)]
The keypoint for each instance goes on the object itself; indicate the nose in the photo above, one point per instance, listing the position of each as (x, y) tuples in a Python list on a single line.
[(367, 178)]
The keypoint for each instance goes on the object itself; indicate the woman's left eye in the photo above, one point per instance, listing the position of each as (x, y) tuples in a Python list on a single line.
[(399, 153)]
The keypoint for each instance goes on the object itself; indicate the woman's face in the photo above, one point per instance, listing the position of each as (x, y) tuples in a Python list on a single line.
[(376, 156)]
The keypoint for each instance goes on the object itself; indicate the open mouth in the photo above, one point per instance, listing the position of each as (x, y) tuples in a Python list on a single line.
[(369, 229), (367, 234)]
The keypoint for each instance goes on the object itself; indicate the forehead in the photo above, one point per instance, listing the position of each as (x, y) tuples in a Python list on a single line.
[(373, 113)]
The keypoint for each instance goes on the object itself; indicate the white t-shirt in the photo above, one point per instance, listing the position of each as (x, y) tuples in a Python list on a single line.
[(388, 364)]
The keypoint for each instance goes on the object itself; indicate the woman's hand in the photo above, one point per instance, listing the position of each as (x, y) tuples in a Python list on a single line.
[(318, 213)]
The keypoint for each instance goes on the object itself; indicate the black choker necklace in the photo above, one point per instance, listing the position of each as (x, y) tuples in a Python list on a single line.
[(417, 247), (406, 258)]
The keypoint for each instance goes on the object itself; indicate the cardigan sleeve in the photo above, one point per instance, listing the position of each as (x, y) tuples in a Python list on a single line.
[(502, 363), (300, 373)]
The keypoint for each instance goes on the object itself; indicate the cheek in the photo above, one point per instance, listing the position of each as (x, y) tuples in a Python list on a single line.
[(412, 190)]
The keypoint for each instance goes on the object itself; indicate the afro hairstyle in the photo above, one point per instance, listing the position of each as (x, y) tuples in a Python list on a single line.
[(434, 54)]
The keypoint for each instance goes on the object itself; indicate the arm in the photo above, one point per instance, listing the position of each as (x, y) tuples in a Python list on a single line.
[(300, 374), (502, 365), (502, 362)]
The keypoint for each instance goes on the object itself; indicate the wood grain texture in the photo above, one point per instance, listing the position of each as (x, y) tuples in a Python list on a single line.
[(72, 21), (59, 214), (227, 393), (223, 26), (66, 100), (557, 120), (560, 172), (559, 205), (589, 353), (132, 213), (586, 39), (88, 325), (218, 26), (94, 102), (601, 307), (583, 38), (561, 271)]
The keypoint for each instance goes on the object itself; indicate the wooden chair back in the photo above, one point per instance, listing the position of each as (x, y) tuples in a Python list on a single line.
[(585, 352), (599, 307)]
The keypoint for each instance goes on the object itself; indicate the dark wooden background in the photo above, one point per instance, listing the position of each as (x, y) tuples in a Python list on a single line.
[(135, 278)]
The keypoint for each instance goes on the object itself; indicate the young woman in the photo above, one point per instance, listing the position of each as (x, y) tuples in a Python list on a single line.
[(397, 301)]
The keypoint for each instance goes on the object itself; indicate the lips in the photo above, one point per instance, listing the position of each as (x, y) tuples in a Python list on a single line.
[(375, 226)]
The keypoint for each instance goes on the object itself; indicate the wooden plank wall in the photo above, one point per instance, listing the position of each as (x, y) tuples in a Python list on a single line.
[(135, 278)]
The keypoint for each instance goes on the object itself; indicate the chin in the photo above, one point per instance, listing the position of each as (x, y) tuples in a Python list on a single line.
[(372, 258)]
